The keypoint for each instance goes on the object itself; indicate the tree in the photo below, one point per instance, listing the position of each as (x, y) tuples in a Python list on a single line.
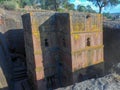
[(1, 1), (81, 8), (107, 15), (25, 2), (54, 4), (69, 6), (104, 3), (9, 4), (89, 9)]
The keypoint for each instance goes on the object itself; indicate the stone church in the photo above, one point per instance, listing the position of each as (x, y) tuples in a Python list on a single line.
[(62, 48)]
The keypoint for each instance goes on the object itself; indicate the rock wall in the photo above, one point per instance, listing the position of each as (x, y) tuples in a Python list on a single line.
[(33, 49), (111, 45), (86, 46), (5, 65), (11, 39), (11, 26)]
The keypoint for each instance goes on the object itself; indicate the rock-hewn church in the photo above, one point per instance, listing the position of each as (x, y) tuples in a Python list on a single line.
[(62, 48)]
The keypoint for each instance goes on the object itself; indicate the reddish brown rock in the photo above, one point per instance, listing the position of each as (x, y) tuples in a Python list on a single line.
[(62, 48)]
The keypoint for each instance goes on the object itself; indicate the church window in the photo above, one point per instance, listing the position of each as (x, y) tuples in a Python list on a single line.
[(88, 41), (46, 43), (88, 16)]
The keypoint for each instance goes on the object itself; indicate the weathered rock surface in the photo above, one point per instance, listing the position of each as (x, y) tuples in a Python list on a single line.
[(109, 82), (112, 62), (111, 40), (112, 24)]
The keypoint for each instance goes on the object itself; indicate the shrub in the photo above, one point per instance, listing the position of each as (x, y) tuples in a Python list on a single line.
[(10, 5), (60, 10), (107, 15)]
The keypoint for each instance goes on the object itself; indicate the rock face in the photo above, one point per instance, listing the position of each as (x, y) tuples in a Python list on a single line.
[(112, 25), (12, 53), (109, 82), (13, 74), (5, 64), (14, 31), (11, 26), (111, 39)]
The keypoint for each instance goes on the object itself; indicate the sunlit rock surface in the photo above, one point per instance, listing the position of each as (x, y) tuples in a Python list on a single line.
[(112, 24)]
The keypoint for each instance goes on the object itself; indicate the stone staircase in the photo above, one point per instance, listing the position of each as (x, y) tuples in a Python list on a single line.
[(20, 76), (19, 71)]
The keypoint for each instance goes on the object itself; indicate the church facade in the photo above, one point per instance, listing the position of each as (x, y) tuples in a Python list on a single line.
[(62, 48)]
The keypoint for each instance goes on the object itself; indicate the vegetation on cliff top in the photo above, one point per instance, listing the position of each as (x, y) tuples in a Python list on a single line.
[(56, 5)]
